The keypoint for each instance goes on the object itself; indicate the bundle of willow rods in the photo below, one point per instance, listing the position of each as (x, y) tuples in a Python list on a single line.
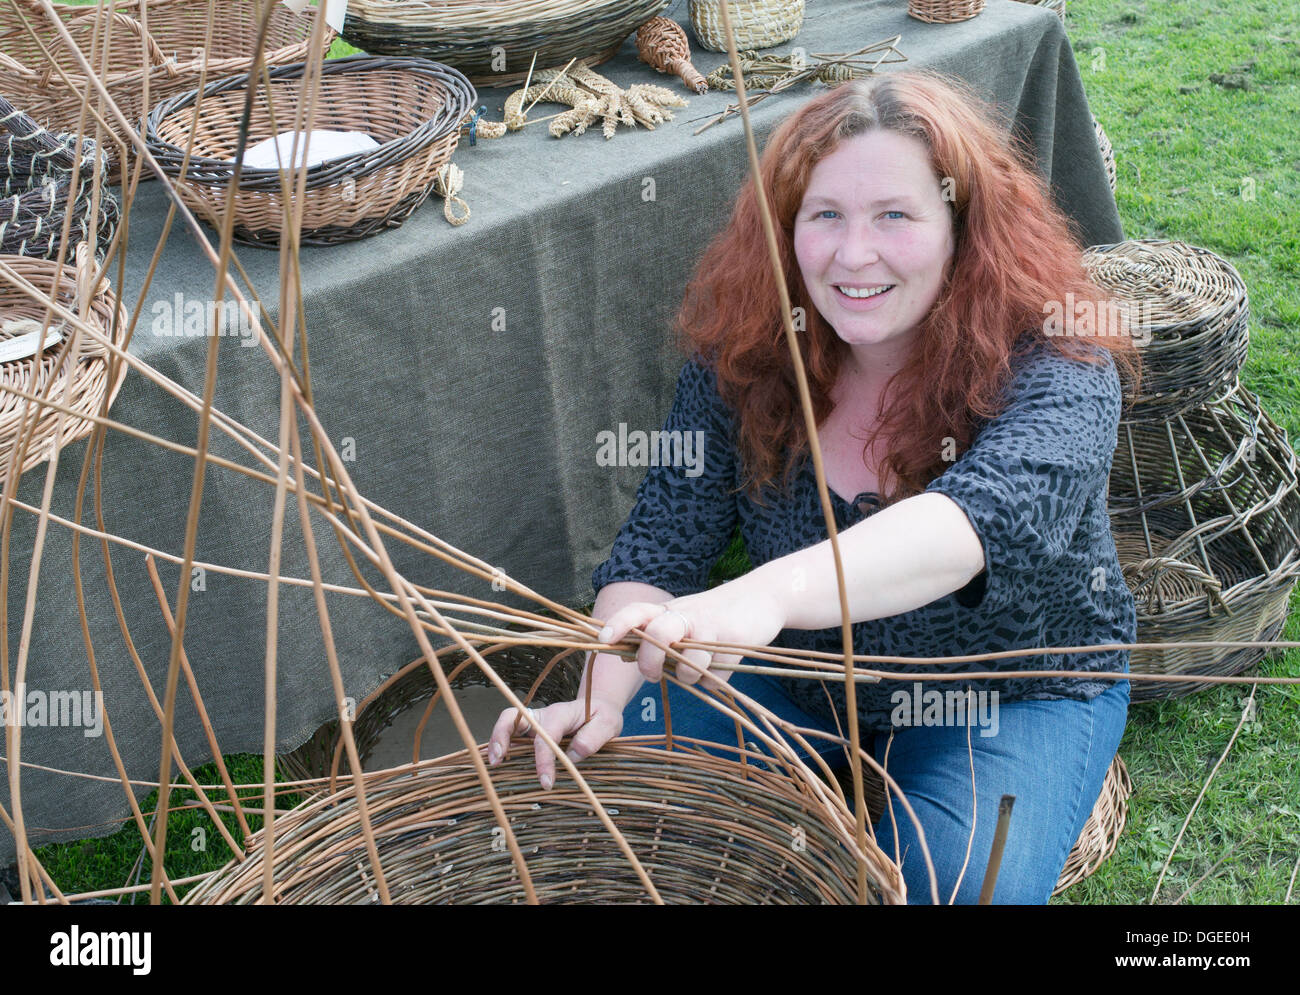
[(169, 54), (36, 170), (706, 829), (412, 107), (470, 35)]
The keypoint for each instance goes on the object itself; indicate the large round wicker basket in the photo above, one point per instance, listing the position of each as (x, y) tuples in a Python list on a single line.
[(494, 44), (172, 47), (72, 287), (756, 24), (412, 107), (1205, 511), (707, 830)]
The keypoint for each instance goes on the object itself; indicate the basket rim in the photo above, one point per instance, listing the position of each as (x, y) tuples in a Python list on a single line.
[(420, 138)]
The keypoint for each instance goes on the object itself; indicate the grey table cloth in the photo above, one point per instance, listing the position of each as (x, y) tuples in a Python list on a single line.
[(467, 371)]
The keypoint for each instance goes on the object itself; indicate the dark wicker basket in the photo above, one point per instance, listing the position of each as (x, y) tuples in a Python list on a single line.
[(412, 107), (519, 666), (36, 186), (1194, 317), (707, 829), (494, 44), (1205, 510), (171, 47)]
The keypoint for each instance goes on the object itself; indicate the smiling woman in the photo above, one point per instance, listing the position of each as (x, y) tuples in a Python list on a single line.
[(966, 451)]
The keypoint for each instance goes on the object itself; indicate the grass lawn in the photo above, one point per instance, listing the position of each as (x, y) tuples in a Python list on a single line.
[(1201, 102)]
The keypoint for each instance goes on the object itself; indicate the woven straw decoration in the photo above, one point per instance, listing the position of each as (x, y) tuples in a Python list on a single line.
[(68, 285), (1205, 511), (662, 43), (755, 23), (1194, 310), (172, 48), (944, 11), (1102, 831), (412, 107)]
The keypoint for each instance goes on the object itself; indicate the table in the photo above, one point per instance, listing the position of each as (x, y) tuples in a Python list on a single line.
[(481, 430)]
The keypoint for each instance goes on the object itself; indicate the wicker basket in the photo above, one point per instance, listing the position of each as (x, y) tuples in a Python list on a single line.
[(1205, 511), (528, 670), (36, 186), (90, 377), (412, 107), (1107, 152), (494, 44), (707, 830), (1192, 311), (173, 46), (1102, 830), (756, 23), (1057, 7), (944, 11)]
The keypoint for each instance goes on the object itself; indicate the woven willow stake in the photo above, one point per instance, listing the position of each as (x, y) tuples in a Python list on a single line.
[(662, 43)]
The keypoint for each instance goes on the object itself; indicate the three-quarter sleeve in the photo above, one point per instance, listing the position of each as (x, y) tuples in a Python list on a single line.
[(1030, 472), (685, 509)]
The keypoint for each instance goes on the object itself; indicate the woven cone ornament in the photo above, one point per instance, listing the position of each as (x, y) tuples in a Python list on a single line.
[(662, 43)]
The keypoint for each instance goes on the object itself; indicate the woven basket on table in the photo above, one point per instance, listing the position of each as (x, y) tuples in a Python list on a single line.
[(172, 46), (755, 23), (72, 287), (36, 189), (528, 670), (412, 107), (707, 829), (1107, 152), (1057, 7), (1205, 511), (1101, 832), (944, 11), (473, 37), (1191, 305)]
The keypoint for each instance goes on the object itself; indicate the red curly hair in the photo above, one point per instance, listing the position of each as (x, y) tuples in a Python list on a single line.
[(1014, 250)]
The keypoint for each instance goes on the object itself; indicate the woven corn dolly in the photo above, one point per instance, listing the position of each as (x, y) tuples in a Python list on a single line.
[(662, 44), (447, 185)]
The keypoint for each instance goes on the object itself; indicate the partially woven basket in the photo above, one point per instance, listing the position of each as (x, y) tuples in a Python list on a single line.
[(412, 107), (72, 287), (36, 186), (708, 830), (171, 48), (1193, 308), (944, 11), (1107, 152), (537, 675), (1205, 511), (1102, 831), (494, 44), (755, 23)]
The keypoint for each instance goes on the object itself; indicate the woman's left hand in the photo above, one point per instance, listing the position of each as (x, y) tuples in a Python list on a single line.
[(738, 612)]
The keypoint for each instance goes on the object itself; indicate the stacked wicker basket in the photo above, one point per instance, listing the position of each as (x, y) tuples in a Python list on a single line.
[(1204, 491)]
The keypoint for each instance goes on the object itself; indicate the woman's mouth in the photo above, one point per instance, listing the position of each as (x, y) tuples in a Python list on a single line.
[(863, 294)]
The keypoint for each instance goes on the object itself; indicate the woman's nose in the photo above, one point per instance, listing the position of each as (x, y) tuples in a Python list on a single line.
[(858, 247)]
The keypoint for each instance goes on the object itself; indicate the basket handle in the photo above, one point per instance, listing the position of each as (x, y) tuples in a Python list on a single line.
[(156, 57), (1147, 573)]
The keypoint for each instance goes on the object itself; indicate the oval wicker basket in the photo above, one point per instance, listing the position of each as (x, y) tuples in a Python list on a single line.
[(90, 377), (1102, 831), (1205, 511), (172, 46), (412, 107), (538, 676), (36, 186), (1191, 309), (707, 830), (494, 44), (756, 24), (944, 11)]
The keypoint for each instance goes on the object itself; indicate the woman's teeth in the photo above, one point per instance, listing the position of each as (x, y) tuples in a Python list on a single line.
[(860, 293)]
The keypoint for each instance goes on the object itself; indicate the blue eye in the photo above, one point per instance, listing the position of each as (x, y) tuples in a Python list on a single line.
[(899, 213), (824, 212)]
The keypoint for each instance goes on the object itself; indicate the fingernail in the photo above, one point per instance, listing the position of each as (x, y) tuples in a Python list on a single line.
[(605, 634), (494, 754), (572, 756), (548, 781)]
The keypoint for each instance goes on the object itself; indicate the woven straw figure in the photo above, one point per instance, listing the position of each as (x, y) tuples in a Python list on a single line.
[(662, 43)]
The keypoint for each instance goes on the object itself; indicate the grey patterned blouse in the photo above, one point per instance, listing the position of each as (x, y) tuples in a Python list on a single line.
[(1033, 484)]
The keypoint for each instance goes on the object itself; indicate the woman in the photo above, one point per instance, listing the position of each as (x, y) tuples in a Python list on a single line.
[(966, 444)]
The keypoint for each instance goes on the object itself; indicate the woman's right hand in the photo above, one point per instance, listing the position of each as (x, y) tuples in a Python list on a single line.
[(560, 720)]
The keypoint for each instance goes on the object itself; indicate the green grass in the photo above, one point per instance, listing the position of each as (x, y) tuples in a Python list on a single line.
[(1183, 162)]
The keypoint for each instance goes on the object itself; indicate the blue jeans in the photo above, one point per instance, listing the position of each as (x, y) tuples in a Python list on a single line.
[(1051, 755)]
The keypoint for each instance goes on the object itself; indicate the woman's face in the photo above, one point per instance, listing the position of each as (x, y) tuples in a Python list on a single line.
[(874, 239)]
